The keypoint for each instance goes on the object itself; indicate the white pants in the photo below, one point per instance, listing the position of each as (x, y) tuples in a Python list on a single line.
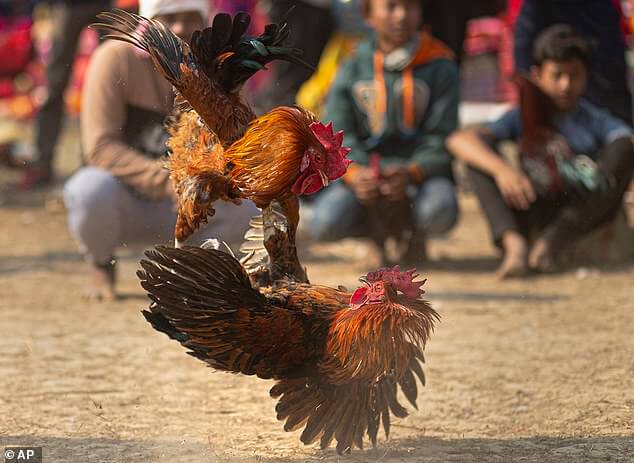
[(103, 214)]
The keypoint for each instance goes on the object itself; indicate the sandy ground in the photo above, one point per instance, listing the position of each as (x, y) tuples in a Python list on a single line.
[(540, 370)]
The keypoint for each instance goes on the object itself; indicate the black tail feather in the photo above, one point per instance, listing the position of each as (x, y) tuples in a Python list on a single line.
[(241, 23), (222, 51), (165, 48)]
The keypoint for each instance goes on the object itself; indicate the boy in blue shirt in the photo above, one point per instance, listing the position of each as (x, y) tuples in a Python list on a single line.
[(511, 199)]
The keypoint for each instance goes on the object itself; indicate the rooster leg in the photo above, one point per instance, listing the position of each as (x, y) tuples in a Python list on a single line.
[(279, 241), (290, 208)]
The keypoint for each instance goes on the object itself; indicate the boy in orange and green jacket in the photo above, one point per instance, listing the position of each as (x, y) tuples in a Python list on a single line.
[(397, 97)]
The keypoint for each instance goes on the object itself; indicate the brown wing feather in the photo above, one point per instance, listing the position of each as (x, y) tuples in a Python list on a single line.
[(203, 299)]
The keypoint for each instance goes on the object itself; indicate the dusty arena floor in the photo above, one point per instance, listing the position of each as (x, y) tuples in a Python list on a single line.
[(535, 371)]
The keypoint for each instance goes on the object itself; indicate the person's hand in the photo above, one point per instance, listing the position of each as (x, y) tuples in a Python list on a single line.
[(516, 188), (365, 186), (395, 183)]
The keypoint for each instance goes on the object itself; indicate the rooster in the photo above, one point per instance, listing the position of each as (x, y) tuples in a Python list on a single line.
[(544, 154), (337, 358), (387, 218), (219, 149)]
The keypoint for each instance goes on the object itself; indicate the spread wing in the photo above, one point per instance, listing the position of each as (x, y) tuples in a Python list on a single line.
[(203, 299)]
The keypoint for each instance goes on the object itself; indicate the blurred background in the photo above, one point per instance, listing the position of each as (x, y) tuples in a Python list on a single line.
[(481, 34)]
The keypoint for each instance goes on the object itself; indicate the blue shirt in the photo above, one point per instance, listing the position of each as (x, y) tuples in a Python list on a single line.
[(586, 128)]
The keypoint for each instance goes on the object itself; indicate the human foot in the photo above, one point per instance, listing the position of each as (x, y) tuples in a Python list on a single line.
[(101, 288), (514, 263), (541, 257)]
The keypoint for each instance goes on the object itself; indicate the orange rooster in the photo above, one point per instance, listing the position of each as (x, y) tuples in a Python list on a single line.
[(337, 358), (219, 150)]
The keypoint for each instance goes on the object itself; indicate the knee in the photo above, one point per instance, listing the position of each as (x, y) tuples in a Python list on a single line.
[(90, 187), (437, 211)]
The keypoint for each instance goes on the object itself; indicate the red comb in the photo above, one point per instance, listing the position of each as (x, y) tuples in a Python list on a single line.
[(402, 281), (332, 142)]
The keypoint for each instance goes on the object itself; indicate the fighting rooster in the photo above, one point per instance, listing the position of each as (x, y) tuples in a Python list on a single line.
[(219, 150), (337, 358)]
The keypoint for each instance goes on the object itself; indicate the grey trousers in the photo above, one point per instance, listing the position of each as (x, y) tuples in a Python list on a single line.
[(104, 214)]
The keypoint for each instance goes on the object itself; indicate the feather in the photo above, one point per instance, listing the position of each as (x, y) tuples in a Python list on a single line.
[(344, 425), (316, 422), (203, 299), (374, 416), (390, 393), (408, 386), (241, 23), (382, 404), (415, 366), (166, 50)]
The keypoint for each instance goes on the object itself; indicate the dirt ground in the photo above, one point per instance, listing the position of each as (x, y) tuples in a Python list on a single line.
[(540, 370)]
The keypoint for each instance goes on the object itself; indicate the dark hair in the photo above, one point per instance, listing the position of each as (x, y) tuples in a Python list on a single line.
[(365, 7), (561, 42)]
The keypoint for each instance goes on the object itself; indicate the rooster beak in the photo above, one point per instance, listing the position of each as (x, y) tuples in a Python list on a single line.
[(324, 178)]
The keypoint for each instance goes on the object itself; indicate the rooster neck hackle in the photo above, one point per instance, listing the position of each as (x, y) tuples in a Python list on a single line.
[(267, 159), (378, 339)]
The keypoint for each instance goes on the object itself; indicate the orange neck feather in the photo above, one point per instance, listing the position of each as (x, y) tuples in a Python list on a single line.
[(378, 338), (265, 162)]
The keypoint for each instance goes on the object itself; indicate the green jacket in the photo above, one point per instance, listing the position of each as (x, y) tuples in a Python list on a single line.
[(352, 107)]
